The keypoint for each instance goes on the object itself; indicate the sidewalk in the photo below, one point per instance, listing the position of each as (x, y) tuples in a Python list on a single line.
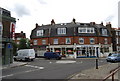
[(14, 64), (94, 73)]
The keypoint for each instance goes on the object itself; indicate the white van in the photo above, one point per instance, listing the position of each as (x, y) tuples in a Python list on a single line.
[(25, 54)]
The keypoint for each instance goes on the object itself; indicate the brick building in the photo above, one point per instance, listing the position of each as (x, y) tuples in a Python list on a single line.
[(116, 39), (83, 39), (7, 30), (19, 36)]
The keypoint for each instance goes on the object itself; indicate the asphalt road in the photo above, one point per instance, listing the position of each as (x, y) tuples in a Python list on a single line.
[(50, 69)]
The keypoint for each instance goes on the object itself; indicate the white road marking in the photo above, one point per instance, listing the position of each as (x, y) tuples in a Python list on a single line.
[(37, 67), (64, 62)]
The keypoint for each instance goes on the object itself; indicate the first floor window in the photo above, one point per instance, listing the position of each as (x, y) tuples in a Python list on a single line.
[(81, 40), (35, 42), (105, 41), (55, 41), (68, 40), (43, 41), (92, 40)]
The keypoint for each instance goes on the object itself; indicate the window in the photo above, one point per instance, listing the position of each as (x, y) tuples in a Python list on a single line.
[(116, 40), (92, 41), (18, 38), (43, 41), (55, 41), (40, 33), (86, 30), (61, 30), (104, 32), (35, 42), (105, 41), (81, 40), (1, 27), (116, 33), (68, 40), (18, 42)]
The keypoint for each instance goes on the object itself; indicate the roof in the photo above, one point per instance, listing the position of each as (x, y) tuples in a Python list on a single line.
[(20, 35), (72, 29)]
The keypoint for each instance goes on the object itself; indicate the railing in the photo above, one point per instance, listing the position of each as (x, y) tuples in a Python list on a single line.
[(112, 73)]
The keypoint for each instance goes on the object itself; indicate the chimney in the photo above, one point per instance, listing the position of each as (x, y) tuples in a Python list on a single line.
[(21, 31), (102, 23), (36, 25), (74, 21), (92, 23), (52, 22), (108, 25)]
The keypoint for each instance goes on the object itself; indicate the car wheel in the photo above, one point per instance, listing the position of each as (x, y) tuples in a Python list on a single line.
[(15, 59)]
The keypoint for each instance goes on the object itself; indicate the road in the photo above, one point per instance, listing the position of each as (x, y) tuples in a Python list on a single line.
[(50, 69)]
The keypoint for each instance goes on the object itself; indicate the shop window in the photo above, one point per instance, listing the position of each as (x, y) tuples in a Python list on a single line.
[(68, 40), (81, 40)]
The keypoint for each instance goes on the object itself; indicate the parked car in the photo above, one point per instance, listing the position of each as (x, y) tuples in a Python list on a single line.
[(113, 57), (25, 54), (52, 55)]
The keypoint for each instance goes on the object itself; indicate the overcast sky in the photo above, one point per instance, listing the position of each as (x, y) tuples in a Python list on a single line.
[(30, 12)]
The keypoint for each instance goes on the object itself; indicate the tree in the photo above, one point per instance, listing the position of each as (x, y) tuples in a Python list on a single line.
[(14, 48), (23, 44)]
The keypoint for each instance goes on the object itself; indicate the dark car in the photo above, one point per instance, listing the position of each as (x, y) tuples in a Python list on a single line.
[(52, 55), (113, 57)]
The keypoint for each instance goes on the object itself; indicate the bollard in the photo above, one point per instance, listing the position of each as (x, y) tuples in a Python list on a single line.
[(96, 63)]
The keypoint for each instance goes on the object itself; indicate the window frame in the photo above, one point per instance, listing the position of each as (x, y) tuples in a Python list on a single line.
[(55, 41), (40, 32), (69, 40), (61, 31), (80, 40)]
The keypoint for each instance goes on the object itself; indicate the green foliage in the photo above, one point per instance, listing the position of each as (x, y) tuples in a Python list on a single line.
[(15, 46), (24, 44)]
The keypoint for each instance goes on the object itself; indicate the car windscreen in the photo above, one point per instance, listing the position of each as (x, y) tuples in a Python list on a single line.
[(114, 55)]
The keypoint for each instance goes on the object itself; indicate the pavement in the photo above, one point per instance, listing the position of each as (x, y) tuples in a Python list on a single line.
[(96, 74), (14, 64)]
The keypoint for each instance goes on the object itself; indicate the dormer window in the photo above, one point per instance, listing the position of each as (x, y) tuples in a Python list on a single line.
[(61, 31), (85, 30), (40, 33), (104, 32)]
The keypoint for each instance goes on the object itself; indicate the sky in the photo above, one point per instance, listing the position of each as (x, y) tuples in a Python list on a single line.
[(30, 12)]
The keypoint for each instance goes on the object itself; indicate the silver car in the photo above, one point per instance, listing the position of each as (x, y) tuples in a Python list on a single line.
[(114, 57)]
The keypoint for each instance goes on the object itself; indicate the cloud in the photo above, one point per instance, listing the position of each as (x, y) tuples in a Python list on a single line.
[(42, 2), (21, 10), (109, 18)]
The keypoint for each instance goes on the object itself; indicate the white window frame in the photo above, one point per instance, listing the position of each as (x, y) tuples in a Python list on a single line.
[(35, 42), (81, 39), (117, 40), (55, 41), (92, 39), (106, 41), (67, 40), (40, 32), (61, 31), (43, 41), (104, 32), (86, 30)]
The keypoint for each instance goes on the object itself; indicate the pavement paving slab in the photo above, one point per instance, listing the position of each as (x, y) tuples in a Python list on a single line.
[(94, 73)]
